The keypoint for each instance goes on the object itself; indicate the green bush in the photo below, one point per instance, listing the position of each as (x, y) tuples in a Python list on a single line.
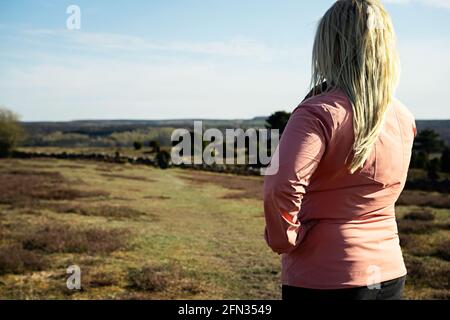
[(419, 160), (11, 132), (137, 145), (423, 215), (445, 160), (163, 159), (154, 145), (148, 279), (278, 120), (433, 169)]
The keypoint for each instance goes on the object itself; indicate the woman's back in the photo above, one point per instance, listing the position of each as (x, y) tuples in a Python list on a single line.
[(354, 239), (342, 162)]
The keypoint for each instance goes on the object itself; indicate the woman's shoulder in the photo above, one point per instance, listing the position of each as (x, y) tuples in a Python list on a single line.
[(403, 110), (404, 116), (332, 104)]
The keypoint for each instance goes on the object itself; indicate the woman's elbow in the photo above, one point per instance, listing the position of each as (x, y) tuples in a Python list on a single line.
[(280, 247), (273, 187)]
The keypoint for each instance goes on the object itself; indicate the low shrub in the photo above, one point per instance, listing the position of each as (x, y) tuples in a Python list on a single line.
[(423, 215), (149, 278), (415, 226), (61, 238), (15, 259), (443, 251)]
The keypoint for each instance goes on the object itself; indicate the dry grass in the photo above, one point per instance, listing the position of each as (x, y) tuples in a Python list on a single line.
[(422, 215), (127, 177), (241, 187), (91, 278), (108, 211), (430, 273), (202, 256), (440, 295), (149, 278), (420, 222), (24, 188), (157, 197), (424, 199), (162, 277), (425, 246), (21, 188), (426, 253), (251, 188), (15, 259), (109, 167), (416, 227), (60, 238), (71, 166), (443, 251), (98, 279)]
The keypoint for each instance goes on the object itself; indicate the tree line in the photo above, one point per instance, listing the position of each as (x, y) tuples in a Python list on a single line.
[(429, 153)]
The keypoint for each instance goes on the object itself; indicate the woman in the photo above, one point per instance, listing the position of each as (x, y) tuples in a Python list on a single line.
[(342, 163)]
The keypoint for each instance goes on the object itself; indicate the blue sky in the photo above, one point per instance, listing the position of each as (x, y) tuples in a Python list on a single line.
[(193, 58)]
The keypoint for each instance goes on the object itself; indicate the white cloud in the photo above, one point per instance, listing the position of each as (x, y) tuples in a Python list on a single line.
[(107, 88), (105, 75), (238, 46), (239, 78)]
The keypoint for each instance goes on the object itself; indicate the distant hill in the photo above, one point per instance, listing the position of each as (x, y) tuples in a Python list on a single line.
[(106, 127), (118, 133), (109, 132)]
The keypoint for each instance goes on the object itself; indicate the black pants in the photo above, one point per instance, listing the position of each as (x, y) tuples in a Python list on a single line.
[(388, 290)]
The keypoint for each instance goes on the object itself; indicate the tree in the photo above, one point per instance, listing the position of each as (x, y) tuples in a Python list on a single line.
[(433, 168), (419, 160), (429, 142), (154, 145), (278, 120), (137, 145), (11, 132), (413, 162), (163, 159), (445, 160)]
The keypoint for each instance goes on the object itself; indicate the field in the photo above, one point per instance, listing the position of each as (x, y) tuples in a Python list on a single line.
[(142, 233)]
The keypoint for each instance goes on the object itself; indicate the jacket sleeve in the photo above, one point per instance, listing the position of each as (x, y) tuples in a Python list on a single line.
[(299, 152)]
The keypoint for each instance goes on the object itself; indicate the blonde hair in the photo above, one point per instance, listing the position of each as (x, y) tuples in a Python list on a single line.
[(355, 51)]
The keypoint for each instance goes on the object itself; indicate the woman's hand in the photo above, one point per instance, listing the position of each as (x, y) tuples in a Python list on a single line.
[(303, 230)]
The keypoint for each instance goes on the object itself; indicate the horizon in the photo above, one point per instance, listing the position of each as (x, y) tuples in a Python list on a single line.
[(172, 119), (193, 59)]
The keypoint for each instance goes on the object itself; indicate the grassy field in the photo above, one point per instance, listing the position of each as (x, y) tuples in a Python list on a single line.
[(143, 233)]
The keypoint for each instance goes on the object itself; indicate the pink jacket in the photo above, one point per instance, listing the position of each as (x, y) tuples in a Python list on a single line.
[(334, 229)]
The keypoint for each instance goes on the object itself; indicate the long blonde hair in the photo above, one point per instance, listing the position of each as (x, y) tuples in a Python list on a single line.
[(355, 51)]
